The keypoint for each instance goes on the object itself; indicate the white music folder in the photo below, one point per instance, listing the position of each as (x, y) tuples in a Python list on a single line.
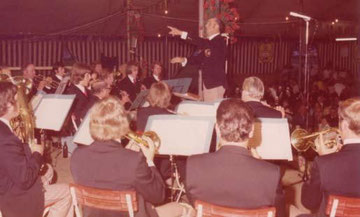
[(272, 139), (195, 108), (52, 110), (182, 135)]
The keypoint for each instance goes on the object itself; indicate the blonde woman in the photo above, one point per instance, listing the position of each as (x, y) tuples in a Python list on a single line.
[(107, 164)]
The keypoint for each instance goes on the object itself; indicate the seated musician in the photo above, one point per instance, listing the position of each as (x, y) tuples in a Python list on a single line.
[(80, 77), (130, 83), (22, 192), (252, 93), (58, 74), (156, 74), (107, 76), (28, 72), (159, 99), (337, 173), (100, 90), (115, 167), (231, 176)]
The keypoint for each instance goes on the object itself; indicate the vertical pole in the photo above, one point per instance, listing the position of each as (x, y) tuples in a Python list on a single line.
[(306, 70), (128, 35), (201, 28)]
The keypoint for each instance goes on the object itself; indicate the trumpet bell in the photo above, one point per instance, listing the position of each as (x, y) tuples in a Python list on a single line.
[(300, 141), (151, 134)]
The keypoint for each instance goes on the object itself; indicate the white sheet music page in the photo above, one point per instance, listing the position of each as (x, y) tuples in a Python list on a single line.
[(52, 111), (272, 139), (192, 108), (83, 136), (181, 135)]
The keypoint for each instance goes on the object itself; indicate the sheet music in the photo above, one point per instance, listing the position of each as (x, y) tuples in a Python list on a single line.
[(82, 136), (52, 111), (272, 139), (181, 135), (194, 108), (179, 85)]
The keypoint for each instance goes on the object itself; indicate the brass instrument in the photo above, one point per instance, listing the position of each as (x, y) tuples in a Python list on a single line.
[(48, 81), (301, 140), (151, 134), (23, 125)]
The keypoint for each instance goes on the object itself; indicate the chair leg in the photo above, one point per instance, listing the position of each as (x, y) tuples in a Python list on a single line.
[(199, 211), (129, 205), (76, 205), (334, 207)]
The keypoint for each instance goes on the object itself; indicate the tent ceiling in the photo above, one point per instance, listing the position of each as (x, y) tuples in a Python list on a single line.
[(258, 17)]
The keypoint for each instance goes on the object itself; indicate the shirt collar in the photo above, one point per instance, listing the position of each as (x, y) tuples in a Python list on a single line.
[(211, 37), (131, 79), (7, 122), (59, 77), (351, 141), (156, 77), (82, 88)]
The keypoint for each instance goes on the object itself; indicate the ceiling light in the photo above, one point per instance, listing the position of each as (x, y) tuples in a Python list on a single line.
[(345, 39)]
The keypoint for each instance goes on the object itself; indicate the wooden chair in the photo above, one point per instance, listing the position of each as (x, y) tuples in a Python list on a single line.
[(103, 199), (204, 209), (341, 206)]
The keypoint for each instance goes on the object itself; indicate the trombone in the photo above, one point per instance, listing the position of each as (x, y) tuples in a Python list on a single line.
[(48, 82)]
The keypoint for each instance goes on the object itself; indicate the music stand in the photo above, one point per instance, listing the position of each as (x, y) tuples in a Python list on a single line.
[(55, 106), (193, 108), (181, 136), (139, 100), (82, 136), (179, 85)]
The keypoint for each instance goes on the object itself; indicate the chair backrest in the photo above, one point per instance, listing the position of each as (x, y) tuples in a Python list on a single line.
[(205, 209), (103, 199), (341, 206)]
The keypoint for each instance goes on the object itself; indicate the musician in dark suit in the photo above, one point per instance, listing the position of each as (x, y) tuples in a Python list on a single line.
[(210, 56), (80, 77), (231, 176), (99, 90), (58, 74), (159, 99), (38, 84), (156, 74), (130, 83), (337, 173), (252, 93), (21, 191), (114, 166)]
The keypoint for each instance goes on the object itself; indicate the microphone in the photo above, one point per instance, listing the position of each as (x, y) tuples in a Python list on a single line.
[(294, 14)]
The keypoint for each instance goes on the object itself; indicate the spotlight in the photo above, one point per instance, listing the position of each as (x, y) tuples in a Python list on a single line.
[(336, 20), (345, 39), (166, 12), (332, 23), (158, 35), (286, 18)]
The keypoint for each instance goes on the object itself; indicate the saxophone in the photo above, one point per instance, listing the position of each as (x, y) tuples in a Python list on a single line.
[(23, 125)]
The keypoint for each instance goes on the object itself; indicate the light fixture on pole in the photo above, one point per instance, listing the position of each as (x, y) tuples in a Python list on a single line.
[(306, 68)]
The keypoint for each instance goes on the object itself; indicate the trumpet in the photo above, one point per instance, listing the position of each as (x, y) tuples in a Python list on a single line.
[(151, 134), (48, 81), (301, 140)]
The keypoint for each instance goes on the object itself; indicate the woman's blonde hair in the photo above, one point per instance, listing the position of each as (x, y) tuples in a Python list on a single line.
[(108, 120), (159, 95)]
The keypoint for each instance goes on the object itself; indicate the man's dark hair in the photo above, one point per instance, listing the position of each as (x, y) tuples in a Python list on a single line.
[(57, 65), (235, 120)]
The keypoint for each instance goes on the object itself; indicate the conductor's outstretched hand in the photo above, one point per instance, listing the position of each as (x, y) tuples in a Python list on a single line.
[(174, 31)]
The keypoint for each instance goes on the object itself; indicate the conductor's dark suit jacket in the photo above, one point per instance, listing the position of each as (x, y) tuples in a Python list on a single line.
[(231, 177), (337, 173), (21, 191), (108, 165), (262, 111), (210, 55)]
